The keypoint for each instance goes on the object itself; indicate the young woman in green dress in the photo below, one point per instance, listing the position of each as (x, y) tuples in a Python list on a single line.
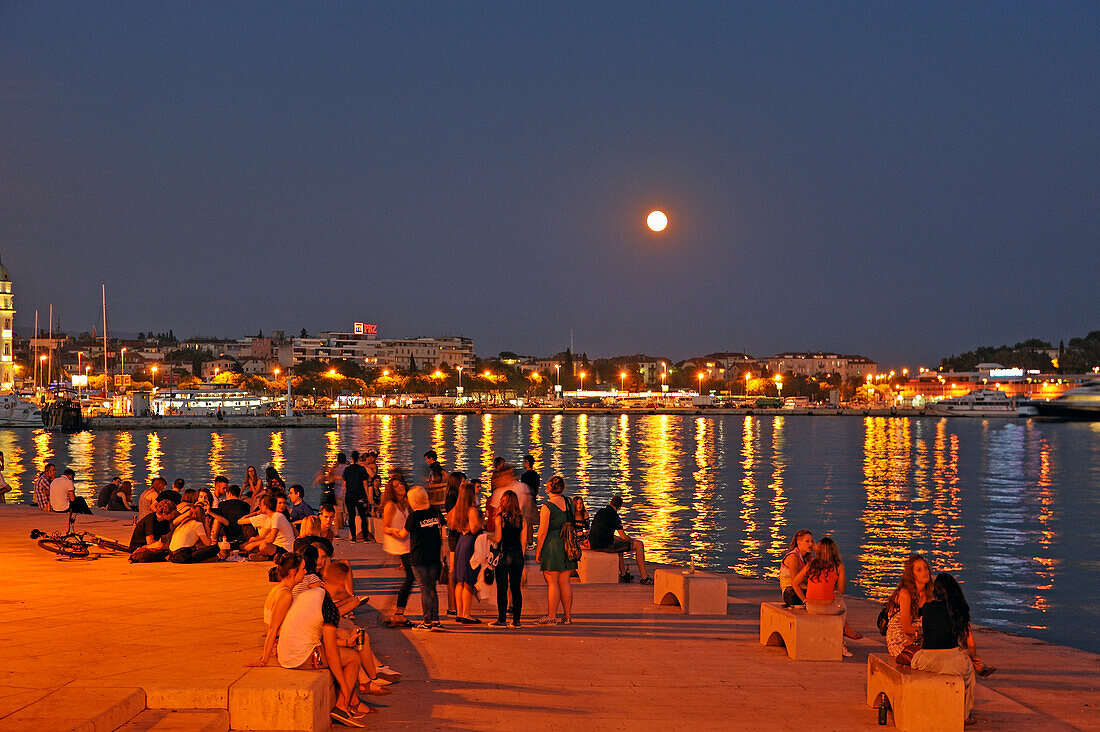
[(551, 554)]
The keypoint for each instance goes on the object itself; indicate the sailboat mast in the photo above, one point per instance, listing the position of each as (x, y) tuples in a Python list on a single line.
[(106, 373), (36, 352), (49, 352)]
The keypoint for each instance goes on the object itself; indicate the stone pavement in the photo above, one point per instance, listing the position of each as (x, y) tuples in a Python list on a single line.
[(95, 642)]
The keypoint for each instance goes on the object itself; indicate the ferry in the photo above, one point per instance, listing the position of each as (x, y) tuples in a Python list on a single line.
[(209, 401), (18, 412), (1082, 403), (978, 403)]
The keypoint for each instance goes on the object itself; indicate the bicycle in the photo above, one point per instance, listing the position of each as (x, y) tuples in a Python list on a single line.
[(75, 544)]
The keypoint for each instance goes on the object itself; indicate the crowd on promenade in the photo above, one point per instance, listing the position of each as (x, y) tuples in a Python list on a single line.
[(472, 535)]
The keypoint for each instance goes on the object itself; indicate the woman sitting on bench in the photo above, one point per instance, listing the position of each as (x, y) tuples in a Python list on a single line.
[(946, 624), (824, 577)]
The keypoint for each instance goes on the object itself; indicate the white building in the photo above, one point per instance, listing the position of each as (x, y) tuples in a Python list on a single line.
[(7, 316), (812, 364), (370, 350)]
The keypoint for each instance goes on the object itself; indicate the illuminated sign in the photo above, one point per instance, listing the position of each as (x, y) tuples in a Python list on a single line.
[(1001, 373), (366, 328)]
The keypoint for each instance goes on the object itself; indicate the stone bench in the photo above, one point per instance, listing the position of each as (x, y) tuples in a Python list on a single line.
[(806, 637), (598, 567), (274, 698), (698, 593), (920, 701)]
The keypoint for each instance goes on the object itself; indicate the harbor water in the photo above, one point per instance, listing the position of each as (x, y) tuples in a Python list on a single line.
[(1011, 507)]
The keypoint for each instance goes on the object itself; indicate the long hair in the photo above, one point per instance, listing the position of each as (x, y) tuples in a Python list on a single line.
[(454, 482), (273, 478), (311, 526), (826, 559), (947, 589), (390, 493), (460, 514), (509, 509), (909, 584), (797, 535)]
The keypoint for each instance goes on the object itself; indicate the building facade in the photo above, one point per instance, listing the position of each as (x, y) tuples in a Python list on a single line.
[(7, 327), (813, 364)]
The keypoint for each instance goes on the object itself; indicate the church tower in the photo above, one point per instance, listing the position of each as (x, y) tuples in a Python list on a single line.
[(7, 316)]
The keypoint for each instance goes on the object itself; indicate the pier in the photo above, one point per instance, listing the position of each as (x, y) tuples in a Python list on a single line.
[(187, 422)]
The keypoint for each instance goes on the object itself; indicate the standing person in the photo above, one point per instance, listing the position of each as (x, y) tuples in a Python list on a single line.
[(946, 623), (436, 480), (63, 496), (825, 579), (510, 530), (457, 504), (355, 479), (339, 488), (42, 486), (424, 527), (466, 580), (370, 464), (532, 480), (551, 554), (607, 535), (395, 542)]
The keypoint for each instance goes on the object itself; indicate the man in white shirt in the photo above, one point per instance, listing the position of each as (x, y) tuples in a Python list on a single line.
[(274, 534), (190, 544), (63, 496)]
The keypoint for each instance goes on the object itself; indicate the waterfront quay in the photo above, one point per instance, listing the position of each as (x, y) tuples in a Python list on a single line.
[(103, 645), (186, 422)]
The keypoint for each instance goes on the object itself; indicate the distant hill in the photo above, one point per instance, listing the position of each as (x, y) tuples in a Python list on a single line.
[(1079, 356)]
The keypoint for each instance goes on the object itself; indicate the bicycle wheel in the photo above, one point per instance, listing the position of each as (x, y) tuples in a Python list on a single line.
[(65, 547), (110, 544)]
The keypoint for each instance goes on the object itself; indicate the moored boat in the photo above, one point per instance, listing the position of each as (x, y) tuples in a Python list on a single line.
[(1082, 403), (978, 403), (18, 412)]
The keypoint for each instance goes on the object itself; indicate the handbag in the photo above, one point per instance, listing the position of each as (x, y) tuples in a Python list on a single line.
[(569, 540), (883, 620), (905, 658)]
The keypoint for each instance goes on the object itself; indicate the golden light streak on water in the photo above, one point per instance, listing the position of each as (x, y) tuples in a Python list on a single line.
[(460, 437), (620, 449), (704, 529), (216, 461), (123, 462), (386, 463), (661, 450), (13, 469), (81, 461), (584, 457), (154, 455), (750, 546), (779, 540), (485, 446), (43, 451), (439, 440), (1047, 564), (534, 444), (332, 448), (556, 463), (278, 455)]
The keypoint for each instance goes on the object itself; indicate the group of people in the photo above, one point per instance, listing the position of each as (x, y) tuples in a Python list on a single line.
[(926, 621)]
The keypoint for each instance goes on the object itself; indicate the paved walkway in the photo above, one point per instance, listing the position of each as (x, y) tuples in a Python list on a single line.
[(187, 631)]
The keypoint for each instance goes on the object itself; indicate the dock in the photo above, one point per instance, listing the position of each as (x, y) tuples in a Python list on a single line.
[(188, 422)]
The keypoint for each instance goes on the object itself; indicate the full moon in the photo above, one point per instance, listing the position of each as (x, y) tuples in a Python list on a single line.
[(657, 221)]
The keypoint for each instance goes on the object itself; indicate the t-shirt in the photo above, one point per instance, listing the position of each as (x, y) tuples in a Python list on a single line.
[(532, 480), (233, 510), (936, 624), (604, 525), (425, 536), (300, 511), (149, 525), (187, 535), (59, 493), (105, 493), (146, 502), (284, 536), (355, 478), (300, 632)]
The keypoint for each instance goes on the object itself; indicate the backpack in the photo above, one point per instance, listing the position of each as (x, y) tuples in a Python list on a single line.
[(569, 538)]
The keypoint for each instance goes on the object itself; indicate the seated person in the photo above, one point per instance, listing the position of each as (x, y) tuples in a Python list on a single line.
[(946, 624), (63, 496), (289, 570), (119, 500), (274, 534), (232, 509), (107, 491), (581, 521), (299, 509), (150, 540), (602, 538), (328, 522), (190, 544)]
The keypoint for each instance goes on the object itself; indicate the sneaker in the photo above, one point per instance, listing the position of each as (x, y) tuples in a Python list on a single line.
[(437, 627), (516, 625), (258, 557), (422, 626), (845, 652), (498, 624), (379, 680), (345, 718), (545, 620), (387, 673), (645, 581), (453, 612)]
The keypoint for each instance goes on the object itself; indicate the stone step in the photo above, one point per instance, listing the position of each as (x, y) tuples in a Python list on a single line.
[(169, 720), (78, 708)]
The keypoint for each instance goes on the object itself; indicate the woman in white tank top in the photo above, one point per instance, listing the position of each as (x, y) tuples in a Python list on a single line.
[(395, 510), (290, 569)]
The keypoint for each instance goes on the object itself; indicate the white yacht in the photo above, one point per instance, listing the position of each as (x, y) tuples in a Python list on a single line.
[(209, 401), (1079, 403), (978, 403), (17, 412)]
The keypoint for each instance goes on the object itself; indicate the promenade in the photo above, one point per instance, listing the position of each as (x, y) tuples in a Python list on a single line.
[(91, 644)]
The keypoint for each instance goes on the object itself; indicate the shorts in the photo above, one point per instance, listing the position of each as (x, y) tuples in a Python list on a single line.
[(618, 546)]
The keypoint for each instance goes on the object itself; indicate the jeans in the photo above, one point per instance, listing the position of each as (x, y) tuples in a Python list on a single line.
[(428, 577), (360, 507), (193, 554), (509, 574), (406, 586)]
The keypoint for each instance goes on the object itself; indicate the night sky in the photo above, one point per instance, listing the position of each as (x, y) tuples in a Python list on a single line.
[(903, 181)]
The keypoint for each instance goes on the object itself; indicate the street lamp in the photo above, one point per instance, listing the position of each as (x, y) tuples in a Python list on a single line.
[(41, 366), (122, 368), (79, 388), (582, 375), (154, 371), (557, 377), (779, 386), (700, 375), (622, 381), (459, 390)]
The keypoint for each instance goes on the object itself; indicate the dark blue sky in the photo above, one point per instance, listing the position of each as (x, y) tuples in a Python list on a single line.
[(899, 180)]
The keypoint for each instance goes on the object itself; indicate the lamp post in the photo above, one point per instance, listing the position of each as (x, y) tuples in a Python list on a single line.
[(700, 383), (122, 368), (582, 375), (79, 387), (41, 367), (622, 381), (459, 390), (779, 387), (154, 372)]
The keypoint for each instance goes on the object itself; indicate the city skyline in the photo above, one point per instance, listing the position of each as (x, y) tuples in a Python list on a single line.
[(903, 183)]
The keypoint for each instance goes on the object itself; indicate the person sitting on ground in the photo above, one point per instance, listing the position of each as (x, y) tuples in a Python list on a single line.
[(231, 510), (824, 577), (107, 491), (275, 482), (581, 521), (121, 499), (173, 494), (42, 486), (289, 571), (308, 640), (149, 542), (328, 522), (149, 497), (299, 509), (509, 532), (190, 544), (253, 488), (602, 538), (945, 620), (63, 496), (274, 534), (308, 528)]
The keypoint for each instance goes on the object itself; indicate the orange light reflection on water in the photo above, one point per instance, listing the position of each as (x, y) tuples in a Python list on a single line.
[(661, 451), (154, 456), (278, 454), (439, 441), (123, 462), (216, 461), (13, 468), (705, 531), (749, 559), (779, 499)]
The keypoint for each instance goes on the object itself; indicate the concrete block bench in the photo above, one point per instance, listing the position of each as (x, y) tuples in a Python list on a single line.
[(921, 701), (699, 593), (273, 698), (598, 567), (806, 637)]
